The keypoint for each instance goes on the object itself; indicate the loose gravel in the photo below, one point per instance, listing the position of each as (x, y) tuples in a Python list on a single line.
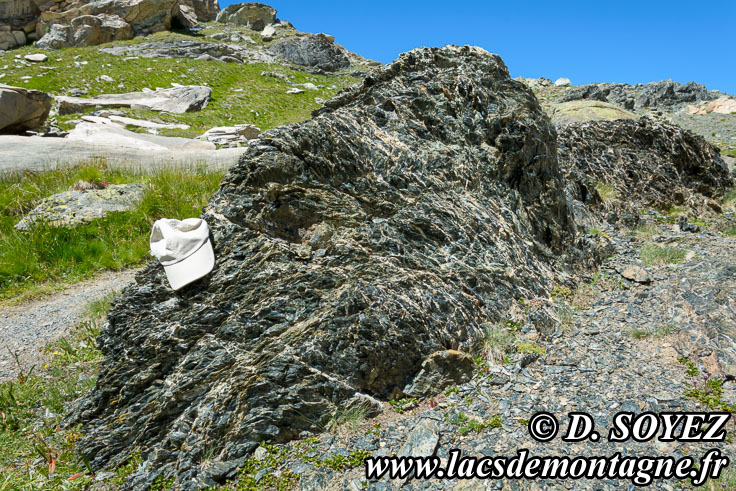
[(26, 328)]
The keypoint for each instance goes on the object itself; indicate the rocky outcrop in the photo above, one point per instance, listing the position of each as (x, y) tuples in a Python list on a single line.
[(722, 105), (586, 110), (80, 206), (412, 210), (193, 49), (313, 51), (231, 136), (86, 30), (253, 15), (654, 94), (112, 134), (102, 21), (182, 99), (648, 163), (22, 109)]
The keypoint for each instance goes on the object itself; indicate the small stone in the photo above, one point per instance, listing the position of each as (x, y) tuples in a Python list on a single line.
[(37, 57), (563, 82), (637, 274)]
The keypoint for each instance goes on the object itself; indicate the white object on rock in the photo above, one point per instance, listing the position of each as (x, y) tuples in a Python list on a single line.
[(563, 82), (183, 248)]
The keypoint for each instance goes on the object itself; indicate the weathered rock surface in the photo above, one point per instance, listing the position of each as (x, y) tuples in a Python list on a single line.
[(586, 110), (722, 105), (196, 50), (112, 134), (409, 212), (36, 153), (74, 207), (652, 164), (22, 109), (102, 21), (253, 15), (231, 136), (441, 369), (314, 51), (174, 100), (654, 94)]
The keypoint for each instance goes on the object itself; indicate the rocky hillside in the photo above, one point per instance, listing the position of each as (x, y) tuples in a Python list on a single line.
[(411, 216), (708, 113), (225, 81)]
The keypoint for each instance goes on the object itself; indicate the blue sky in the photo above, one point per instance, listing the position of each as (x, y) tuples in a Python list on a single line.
[(604, 41)]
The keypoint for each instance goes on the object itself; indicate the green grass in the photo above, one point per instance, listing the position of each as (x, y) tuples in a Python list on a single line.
[(729, 200), (606, 191), (499, 342), (33, 260), (530, 348), (239, 93), (35, 452), (658, 332), (655, 255)]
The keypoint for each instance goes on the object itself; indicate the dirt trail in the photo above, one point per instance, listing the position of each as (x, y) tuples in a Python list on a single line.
[(26, 328)]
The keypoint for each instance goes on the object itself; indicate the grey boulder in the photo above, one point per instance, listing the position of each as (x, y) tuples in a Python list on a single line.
[(255, 16), (174, 100), (313, 51), (22, 109), (77, 207)]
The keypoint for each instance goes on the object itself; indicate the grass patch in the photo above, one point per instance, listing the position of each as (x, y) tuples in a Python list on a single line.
[(656, 255), (46, 255), (347, 421), (240, 94), (606, 191), (35, 452), (729, 200), (658, 332), (530, 348), (498, 343)]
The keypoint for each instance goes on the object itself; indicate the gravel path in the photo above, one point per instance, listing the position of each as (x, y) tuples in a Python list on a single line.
[(25, 329)]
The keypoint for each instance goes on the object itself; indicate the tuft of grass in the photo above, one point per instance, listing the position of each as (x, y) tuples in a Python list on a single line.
[(530, 348), (638, 333), (655, 255), (498, 343), (606, 191), (46, 255), (347, 421)]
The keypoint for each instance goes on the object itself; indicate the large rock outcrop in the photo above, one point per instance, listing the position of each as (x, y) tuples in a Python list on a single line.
[(411, 211), (654, 94), (102, 21), (22, 109), (647, 163), (313, 51), (253, 15), (183, 99)]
